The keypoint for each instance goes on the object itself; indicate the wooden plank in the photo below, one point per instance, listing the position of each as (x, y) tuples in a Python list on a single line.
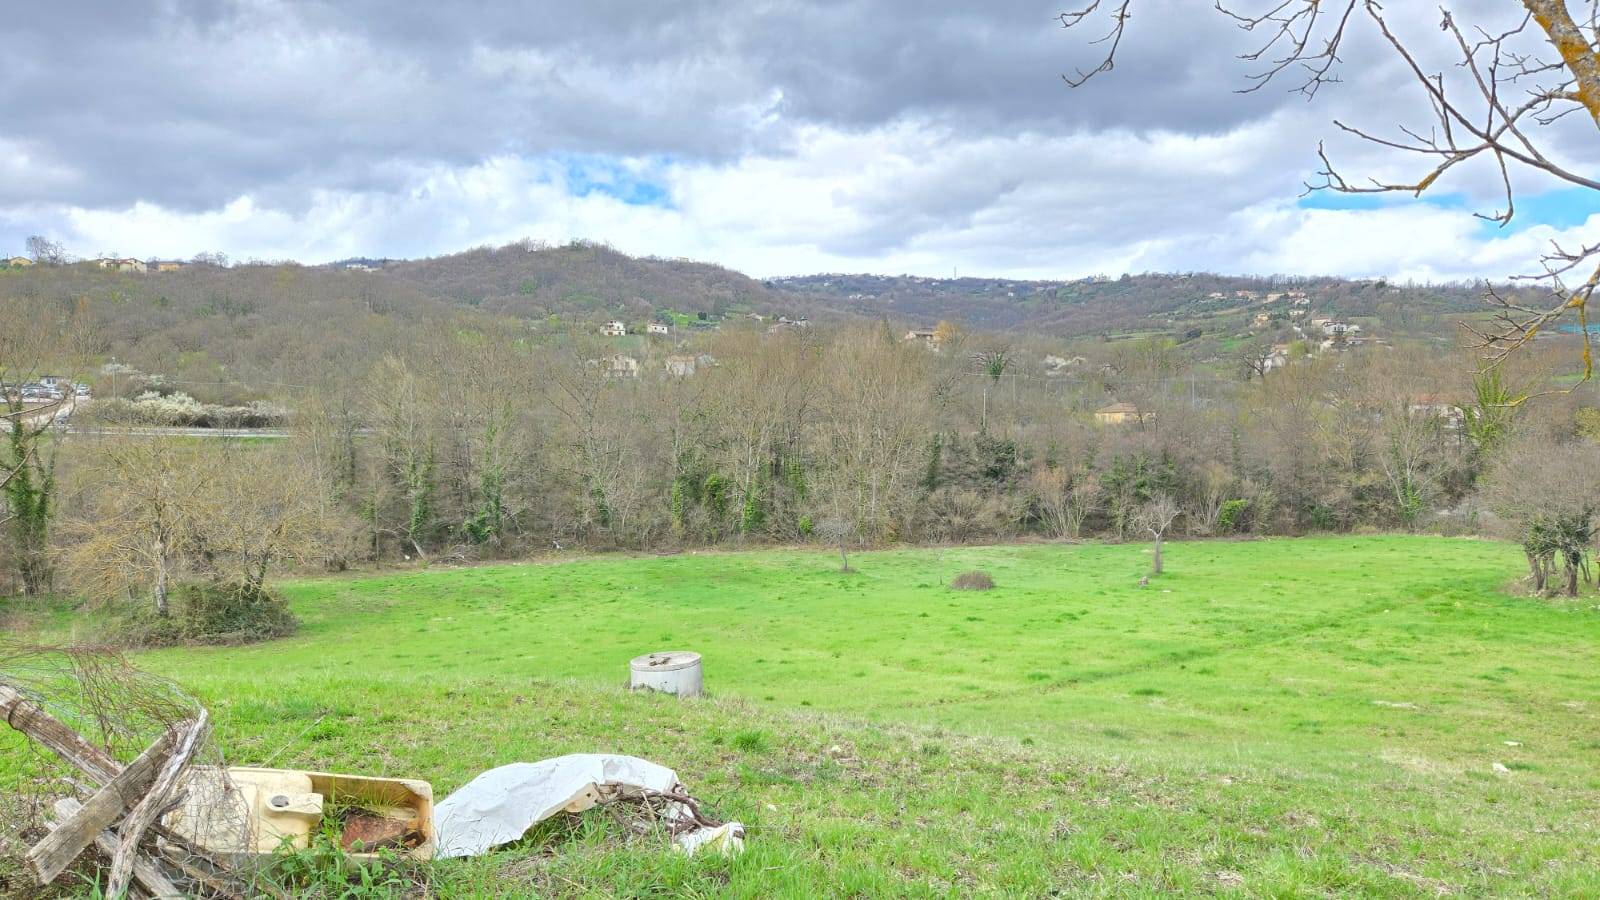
[(146, 873), (29, 718), (51, 856), (154, 803)]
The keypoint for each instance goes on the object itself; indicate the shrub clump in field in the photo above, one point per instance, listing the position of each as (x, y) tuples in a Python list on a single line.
[(973, 581), (210, 613)]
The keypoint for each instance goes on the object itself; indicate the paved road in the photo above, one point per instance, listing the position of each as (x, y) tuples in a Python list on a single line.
[(162, 431)]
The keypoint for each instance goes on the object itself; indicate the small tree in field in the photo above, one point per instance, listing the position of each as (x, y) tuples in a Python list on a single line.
[(1156, 517), (838, 530), (157, 514), (1546, 492)]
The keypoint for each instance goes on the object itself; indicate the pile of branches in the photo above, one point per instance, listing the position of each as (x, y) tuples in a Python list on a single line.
[(109, 753)]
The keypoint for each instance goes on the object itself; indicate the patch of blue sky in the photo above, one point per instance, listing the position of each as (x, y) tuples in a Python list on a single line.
[(629, 181), (1563, 208)]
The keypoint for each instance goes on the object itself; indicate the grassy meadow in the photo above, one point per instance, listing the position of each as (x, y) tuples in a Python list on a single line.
[(1318, 717)]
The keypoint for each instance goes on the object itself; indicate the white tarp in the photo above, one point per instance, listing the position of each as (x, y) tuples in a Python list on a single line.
[(500, 805)]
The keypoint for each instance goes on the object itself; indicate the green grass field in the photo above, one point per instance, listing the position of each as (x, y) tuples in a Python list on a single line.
[(1290, 717)]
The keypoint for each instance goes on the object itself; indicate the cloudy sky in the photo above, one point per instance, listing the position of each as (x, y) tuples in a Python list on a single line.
[(773, 136)]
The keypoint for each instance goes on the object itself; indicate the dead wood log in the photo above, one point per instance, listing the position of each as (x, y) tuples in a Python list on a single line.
[(29, 717), (148, 875), (51, 856), (155, 802)]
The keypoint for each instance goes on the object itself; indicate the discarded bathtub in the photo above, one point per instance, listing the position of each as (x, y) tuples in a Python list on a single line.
[(243, 810)]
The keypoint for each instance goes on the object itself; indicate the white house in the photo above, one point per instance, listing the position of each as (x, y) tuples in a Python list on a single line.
[(614, 329), (659, 328)]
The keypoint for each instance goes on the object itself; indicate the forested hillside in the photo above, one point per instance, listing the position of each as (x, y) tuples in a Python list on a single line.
[(580, 279), (1135, 303), (293, 324)]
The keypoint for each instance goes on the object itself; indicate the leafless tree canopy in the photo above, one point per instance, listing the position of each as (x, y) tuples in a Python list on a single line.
[(1496, 105)]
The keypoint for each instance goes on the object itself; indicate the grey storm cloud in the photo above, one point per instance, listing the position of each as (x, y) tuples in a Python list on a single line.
[(777, 134), (188, 104)]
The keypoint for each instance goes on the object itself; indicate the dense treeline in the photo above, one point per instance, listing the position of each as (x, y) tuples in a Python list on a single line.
[(485, 442)]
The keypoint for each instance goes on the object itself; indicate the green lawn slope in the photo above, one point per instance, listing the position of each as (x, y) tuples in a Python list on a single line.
[(1312, 716)]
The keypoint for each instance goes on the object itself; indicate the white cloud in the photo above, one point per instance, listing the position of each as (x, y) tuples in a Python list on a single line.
[(905, 197)]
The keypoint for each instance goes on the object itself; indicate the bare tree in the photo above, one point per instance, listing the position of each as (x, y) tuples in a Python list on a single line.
[(142, 520), (154, 512), (1065, 499), (1512, 83), (1257, 358), (1155, 517), (839, 531), (45, 251)]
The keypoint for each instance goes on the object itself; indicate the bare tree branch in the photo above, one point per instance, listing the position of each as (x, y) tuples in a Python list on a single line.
[(1503, 91)]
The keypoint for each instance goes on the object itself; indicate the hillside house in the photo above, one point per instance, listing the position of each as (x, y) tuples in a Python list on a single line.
[(1277, 358), (127, 264), (1118, 414), (681, 365), (18, 262), (1437, 406), (659, 328), (614, 329), (167, 265)]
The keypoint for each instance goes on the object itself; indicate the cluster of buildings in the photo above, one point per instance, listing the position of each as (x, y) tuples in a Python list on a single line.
[(111, 263), (1298, 298)]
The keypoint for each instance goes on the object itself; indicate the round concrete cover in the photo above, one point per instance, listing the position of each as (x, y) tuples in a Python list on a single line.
[(665, 661)]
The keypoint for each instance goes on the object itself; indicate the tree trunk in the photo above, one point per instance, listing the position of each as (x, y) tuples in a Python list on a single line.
[(1536, 570), (1572, 579), (1155, 561), (161, 584), (844, 561)]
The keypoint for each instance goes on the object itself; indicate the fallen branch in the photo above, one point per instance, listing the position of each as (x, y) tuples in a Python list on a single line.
[(29, 717), (146, 873), (51, 856), (154, 804)]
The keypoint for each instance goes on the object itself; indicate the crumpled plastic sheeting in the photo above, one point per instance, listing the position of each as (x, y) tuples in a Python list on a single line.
[(500, 805)]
